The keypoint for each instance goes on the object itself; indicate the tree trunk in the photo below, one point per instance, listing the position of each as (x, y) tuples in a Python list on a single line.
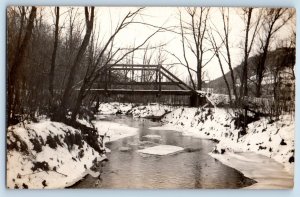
[(60, 115), (51, 73), (244, 83), (78, 103), (18, 60), (261, 66), (199, 75), (224, 77), (262, 61)]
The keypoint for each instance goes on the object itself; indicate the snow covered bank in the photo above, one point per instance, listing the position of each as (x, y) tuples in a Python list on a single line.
[(141, 111), (114, 108), (150, 111), (216, 99), (48, 155), (267, 172), (272, 139)]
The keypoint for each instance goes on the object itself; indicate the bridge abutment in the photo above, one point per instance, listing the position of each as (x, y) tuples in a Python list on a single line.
[(196, 100)]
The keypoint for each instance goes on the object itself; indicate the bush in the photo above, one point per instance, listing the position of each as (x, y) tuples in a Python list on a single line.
[(73, 139), (53, 141), (44, 166)]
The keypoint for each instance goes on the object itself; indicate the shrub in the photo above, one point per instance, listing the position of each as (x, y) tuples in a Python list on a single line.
[(51, 142), (44, 166)]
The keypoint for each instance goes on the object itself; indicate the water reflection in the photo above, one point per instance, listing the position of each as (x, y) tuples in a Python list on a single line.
[(190, 169)]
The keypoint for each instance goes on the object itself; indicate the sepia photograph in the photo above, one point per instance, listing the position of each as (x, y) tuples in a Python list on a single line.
[(150, 97)]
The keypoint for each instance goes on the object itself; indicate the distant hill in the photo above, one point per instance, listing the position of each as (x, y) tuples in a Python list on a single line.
[(281, 57)]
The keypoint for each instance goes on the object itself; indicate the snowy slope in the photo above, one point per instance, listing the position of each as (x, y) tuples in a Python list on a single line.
[(47, 155), (274, 140)]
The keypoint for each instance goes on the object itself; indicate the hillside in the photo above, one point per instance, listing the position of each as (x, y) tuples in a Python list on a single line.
[(282, 57)]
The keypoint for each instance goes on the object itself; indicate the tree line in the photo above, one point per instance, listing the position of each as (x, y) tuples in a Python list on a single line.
[(47, 61)]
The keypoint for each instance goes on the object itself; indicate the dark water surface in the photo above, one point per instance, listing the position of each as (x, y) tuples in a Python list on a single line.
[(183, 170)]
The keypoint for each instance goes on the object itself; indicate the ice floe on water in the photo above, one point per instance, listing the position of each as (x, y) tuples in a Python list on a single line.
[(161, 150), (125, 149), (157, 137)]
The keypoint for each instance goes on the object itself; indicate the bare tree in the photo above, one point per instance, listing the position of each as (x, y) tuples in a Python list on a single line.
[(247, 13), (216, 49), (53, 59), (248, 44), (18, 60), (108, 57), (224, 37), (193, 36), (225, 18), (273, 20), (89, 20)]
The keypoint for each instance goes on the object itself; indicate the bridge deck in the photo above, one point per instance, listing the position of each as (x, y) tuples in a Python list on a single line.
[(132, 91)]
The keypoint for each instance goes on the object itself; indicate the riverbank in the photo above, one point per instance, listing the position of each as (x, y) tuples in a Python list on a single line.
[(275, 140), (53, 155), (48, 155), (265, 171)]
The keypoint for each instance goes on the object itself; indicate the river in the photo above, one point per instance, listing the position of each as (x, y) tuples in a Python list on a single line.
[(185, 170)]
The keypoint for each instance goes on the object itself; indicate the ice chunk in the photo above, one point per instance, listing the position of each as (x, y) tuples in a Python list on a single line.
[(152, 136), (161, 150), (124, 149)]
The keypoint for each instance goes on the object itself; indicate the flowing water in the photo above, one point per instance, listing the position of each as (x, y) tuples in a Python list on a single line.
[(193, 168)]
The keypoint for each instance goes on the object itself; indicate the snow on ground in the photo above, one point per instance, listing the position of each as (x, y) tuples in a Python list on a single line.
[(150, 110), (141, 111), (216, 99), (53, 155), (108, 108), (47, 155), (114, 131), (268, 173), (161, 150), (114, 108), (272, 139)]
